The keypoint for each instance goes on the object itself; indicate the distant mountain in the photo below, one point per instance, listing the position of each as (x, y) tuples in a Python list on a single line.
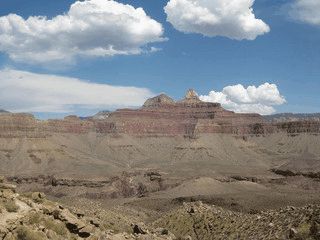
[(3, 111), (290, 117)]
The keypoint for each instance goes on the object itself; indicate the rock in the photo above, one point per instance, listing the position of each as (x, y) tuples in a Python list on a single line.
[(73, 223), (51, 234), (161, 231), (9, 236), (188, 237), (6, 193), (95, 222), (139, 229), (79, 213), (38, 197), (292, 233), (86, 231), (3, 232), (162, 99), (8, 186), (154, 176), (315, 230), (191, 210), (1, 179), (191, 97)]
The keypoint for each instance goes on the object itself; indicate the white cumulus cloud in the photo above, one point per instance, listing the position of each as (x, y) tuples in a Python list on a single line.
[(305, 11), (229, 18), (22, 91), (252, 99), (94, 28)]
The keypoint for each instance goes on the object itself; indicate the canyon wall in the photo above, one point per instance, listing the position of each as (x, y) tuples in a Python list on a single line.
[(159, 116)]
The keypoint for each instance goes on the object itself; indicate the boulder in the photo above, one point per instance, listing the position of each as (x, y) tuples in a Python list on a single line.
[(315, 230), (139, 229), (86, 231), (8, 186), (292, 233), (94, 222), (38, 197)]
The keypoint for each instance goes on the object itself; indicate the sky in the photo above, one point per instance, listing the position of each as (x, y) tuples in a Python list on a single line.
[(78, 57)]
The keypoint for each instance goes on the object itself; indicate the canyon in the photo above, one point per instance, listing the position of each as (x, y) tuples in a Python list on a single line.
[(142, 165)]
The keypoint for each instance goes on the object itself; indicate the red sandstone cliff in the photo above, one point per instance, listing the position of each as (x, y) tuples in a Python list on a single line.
[(159, 116)]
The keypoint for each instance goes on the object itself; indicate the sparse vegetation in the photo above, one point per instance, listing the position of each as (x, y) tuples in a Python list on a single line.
[(49, 223), (34, 218), (57, 227), (10, 205), (25, 233)]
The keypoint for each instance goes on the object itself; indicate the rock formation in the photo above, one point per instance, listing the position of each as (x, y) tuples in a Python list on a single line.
[(31, 216), (202, 221), (159, 116), (161, 130), (158, 101), (190, 116)]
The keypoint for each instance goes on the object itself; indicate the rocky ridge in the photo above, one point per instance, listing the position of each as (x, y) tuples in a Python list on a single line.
[(31, 216), (293, 117), (201, 221)]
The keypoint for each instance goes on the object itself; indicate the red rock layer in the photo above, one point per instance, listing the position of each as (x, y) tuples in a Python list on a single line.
[(160, 116), (182, 119)]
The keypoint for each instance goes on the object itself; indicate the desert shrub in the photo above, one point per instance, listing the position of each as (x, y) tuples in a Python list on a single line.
[(11, 206), (24, 233), (57, 227), (34, 218)]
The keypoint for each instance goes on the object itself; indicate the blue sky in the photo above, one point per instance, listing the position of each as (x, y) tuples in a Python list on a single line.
[(287, 56)]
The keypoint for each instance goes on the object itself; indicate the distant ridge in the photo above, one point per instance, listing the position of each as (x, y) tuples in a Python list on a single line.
[(3, 111), (290, 117)]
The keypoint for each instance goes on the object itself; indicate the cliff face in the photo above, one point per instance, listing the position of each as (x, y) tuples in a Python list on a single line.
[(159, 116), (162, 116), (161, 134)]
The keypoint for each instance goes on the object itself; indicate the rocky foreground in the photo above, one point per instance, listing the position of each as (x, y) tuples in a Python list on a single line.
[(202, 221), (31, 216)]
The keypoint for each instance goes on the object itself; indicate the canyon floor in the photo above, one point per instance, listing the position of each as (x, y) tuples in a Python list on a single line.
[(123, 181)]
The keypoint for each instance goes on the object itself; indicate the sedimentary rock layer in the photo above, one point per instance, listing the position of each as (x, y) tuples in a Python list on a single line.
[(159, 116)]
